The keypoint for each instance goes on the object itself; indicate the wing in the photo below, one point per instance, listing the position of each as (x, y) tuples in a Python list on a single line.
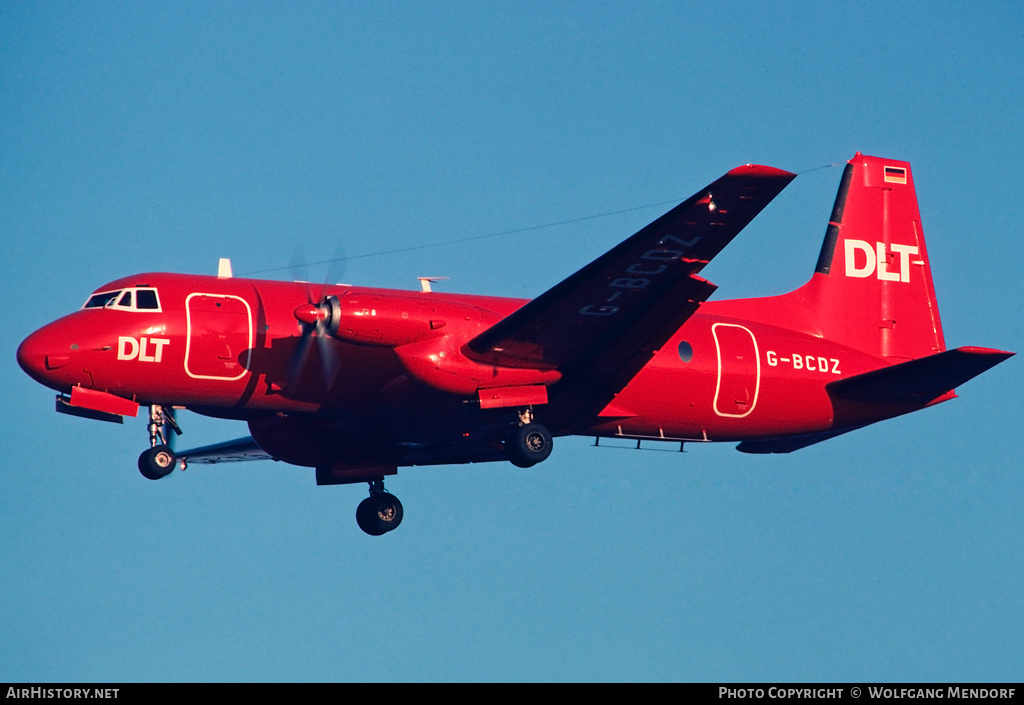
[(228, 452), (242, 449), (600, 326)]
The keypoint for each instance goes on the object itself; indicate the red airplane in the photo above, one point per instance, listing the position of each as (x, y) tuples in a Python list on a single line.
[(357, 382)]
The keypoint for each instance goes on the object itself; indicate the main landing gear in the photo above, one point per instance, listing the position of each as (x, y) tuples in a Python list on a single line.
[(530, 443), (379, 513), (159, 460)]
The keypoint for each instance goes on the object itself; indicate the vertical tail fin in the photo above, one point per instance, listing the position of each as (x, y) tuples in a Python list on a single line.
[(872, 288)]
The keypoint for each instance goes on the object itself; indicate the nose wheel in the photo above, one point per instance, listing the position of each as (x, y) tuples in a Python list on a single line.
[(159, 461), (379, 513)]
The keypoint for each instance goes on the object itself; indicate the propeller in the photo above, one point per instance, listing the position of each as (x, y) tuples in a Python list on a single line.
[(319, 319)]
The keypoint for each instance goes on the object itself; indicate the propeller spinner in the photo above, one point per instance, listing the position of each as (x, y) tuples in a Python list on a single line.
[(320, 322)]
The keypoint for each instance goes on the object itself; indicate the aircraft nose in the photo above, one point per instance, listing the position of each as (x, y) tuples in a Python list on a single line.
[(41, 358)]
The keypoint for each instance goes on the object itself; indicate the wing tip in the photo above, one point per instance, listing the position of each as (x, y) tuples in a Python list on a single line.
[(761, 171), (992, 352)]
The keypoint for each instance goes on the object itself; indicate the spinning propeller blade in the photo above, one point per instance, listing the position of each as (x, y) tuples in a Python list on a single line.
[(318, 318)]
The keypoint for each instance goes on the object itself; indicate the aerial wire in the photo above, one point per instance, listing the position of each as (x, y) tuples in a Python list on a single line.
[(473, 238), (818, 168)]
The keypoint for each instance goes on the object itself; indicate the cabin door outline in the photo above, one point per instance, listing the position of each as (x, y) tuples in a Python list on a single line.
[(739, 370), (219, 336)]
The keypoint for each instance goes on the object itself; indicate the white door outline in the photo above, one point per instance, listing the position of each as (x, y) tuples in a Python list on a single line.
[(757, 376), (188, 337)]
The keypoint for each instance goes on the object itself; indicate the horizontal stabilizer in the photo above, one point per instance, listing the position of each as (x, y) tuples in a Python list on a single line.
[(918, 381), (788, 445)]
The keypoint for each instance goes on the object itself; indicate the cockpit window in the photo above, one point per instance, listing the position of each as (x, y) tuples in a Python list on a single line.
[(146, 299), (135, 299), (101, 300)]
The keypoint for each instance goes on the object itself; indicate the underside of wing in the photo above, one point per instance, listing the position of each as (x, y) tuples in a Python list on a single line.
[(243, 449), (601, 325), (234, 451)]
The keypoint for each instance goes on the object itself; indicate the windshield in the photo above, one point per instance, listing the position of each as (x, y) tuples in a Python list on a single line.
[(101, 300), (134, 299)]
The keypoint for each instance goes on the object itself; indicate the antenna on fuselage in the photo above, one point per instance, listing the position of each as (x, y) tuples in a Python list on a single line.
[(426, 281), (224, 268)]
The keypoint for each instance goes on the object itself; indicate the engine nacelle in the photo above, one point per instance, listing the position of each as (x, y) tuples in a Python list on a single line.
[(441, 364), (427, 333), (396, 320)]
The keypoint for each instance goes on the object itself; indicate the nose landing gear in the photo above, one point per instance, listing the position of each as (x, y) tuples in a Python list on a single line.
[(159, 461), (379, 513)]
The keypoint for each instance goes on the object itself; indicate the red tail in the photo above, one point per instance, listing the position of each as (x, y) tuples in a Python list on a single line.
[(872, 289)]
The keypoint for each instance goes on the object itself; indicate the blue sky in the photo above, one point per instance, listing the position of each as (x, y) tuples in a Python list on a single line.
[(139, 137)]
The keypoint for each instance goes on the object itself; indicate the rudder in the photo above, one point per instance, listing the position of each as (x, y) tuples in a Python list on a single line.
[(872, 288)]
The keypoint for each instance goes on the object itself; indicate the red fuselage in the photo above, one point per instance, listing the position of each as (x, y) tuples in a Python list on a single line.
[(224, 347)]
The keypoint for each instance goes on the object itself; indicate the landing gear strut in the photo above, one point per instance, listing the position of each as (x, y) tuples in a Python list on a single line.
[(379, 513), (159, 460), (528, 444)]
